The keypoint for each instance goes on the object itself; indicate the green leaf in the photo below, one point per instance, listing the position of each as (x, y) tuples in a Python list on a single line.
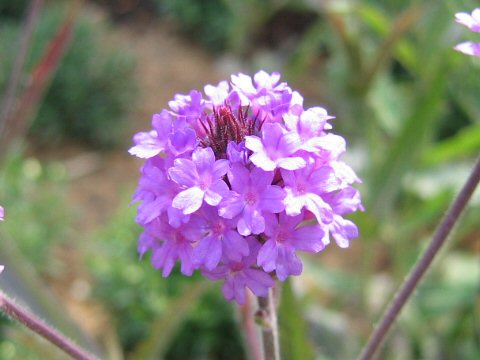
[(293, 327), (407, 146), (463, 144), (164, 328)]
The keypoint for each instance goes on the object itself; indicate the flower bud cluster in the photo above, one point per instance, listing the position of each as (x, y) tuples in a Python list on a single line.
[(236, 182)]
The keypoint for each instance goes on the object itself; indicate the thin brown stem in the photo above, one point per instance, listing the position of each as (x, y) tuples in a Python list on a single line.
[(421, 266), (267, 314), (18, 313)]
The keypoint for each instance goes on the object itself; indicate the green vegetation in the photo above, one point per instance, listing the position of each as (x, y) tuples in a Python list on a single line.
[(93, 90), (407, 103)]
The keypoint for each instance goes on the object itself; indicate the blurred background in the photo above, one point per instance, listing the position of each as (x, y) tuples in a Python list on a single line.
[(79, 78)]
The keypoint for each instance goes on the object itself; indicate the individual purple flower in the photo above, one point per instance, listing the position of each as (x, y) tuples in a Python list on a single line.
[(2, 213), (472, 21), (231, 183), (284, 237), (219, 238), (267, 98), (275, 149), (239, 275), (156, 193), (151, 143), (304, 189), (217, 94), (201, 178), (169, 244), (343, 202), (252, 196)]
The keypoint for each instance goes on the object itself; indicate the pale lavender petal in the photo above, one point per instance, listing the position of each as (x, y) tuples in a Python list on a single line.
[(217, 94), (182, 141), (323, 180), (235, 246), (189, 200), (184, 172), (291, 163), (208, 252), (147, 145), (254, 143), (469, 48), (185, 253), (261, 179), (272, 199), (164, 257), (289, 143), (203, 159), (258, 281), (287, 264), (251, 222), (217, 191), (239, 177), (471, 21), (231, 205), (212, 197), (261, 160), (321, 210), (267, 256), (220, 168), (293, 204), (310, 239), (343, 231)]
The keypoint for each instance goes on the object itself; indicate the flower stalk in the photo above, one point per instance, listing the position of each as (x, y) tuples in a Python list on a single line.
[(267, 317), (422, 265), (17, 312)]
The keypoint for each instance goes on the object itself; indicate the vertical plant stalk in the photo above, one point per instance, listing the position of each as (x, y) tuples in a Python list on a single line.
[(16, 312), (421, 266), (25, 38), (267, 314), (249, 329)]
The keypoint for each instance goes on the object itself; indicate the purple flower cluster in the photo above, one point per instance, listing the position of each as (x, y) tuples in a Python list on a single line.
[(237, 182), (473, 23)]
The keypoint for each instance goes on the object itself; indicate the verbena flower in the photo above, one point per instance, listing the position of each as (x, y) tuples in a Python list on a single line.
[(472, 21), (237, 182)]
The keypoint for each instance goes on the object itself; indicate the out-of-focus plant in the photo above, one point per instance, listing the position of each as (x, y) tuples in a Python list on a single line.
[(93, 89), (155, 318), (35, 196)]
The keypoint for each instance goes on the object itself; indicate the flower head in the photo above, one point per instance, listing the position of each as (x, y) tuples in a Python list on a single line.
[(2, 214), (471, 21), (231, 182)]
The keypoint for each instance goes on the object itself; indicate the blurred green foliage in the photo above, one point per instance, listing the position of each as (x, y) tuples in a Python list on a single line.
[(93, 90), (177, 318), (206, 21), (36, 196)]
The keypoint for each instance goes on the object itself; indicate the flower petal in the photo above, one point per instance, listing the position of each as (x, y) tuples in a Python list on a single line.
[(189, 200)]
